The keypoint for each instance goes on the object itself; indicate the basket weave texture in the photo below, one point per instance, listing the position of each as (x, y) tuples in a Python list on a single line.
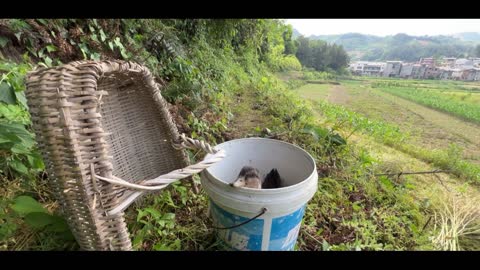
[(108, 117)]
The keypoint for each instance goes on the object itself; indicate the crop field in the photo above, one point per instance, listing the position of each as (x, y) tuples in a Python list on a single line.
[(428, 128), (410, 126), (462, 103)]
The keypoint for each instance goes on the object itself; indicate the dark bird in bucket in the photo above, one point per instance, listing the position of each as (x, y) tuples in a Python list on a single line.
[(249, 177), (272, 180)]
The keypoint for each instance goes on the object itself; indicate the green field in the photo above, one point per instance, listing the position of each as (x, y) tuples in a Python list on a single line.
[(443, 139), (428, 128), (460, 104), (410, 126)]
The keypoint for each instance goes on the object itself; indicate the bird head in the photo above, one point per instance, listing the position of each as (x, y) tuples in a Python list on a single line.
[(249, 177)]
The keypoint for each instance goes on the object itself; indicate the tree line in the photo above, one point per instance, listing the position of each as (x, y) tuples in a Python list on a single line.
[(320, 55)]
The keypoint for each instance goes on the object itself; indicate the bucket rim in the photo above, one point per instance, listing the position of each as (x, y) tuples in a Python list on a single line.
[(255, 191)]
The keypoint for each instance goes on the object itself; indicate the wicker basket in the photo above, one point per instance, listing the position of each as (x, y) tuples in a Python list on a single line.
[(103, 120)]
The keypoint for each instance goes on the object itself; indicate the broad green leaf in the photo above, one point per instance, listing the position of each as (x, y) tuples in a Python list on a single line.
[(169, 216), (18, 166), (84, 50), (18, 130), (39, 220), (51, 48), (9, 137), (21, 99), (35, 161), (32, 51), (124, 54), (91, 29), (118, 43), (153, 212), (95, 56), (94, 37), (7, 94), (20, 149), (25, 204), (141, 214), (103, 37), (48, 61), (17, 81), (58, 224), (110, 44)]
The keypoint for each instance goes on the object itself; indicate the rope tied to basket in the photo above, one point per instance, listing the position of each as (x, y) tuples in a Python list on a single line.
[(163, 181)]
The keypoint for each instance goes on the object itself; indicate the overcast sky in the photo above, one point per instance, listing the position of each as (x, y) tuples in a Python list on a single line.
[(384, 27)]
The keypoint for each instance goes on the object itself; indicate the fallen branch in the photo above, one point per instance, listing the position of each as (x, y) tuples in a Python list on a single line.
[(405, 173)]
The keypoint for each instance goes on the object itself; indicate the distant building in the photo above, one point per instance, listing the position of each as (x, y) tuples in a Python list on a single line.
[(476, 62), (406, 71), (449, 61), (392, 69), (449, 68), (365, 68), (470, 74), (456, 74), (477, 76), (427, 61), (432, 72), (418, 71), (446, 73), (463, 63)]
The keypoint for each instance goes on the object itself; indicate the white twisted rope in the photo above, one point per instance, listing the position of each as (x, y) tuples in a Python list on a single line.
[(163, 181)]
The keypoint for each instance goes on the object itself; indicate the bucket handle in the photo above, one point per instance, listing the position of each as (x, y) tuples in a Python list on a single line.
[(164, 180), (263, 211)]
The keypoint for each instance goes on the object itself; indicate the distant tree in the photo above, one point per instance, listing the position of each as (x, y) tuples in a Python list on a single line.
[(304, 51), (320, 55), (290, 44), (477, 50)]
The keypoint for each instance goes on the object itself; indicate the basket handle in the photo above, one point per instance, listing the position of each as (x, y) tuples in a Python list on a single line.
[(164, 180)]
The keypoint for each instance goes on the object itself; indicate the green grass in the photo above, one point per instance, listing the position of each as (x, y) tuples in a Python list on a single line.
[(438, 101), (391, 135), (315, 91)]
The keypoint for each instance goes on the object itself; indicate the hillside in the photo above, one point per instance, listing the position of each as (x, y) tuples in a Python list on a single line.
[(403, 47)]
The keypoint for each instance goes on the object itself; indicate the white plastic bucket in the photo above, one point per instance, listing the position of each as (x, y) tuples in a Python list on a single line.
[(278, 228)]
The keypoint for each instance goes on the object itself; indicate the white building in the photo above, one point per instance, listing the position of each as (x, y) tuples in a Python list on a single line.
[(406, 71), (463, 63), (392, 69), (365, 68)]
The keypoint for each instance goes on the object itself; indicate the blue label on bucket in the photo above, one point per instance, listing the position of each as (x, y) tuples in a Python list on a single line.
[(281, 232), (245, 237), (284, 230)]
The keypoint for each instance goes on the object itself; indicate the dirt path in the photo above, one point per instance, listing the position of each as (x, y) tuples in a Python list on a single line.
[(246, 116)]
